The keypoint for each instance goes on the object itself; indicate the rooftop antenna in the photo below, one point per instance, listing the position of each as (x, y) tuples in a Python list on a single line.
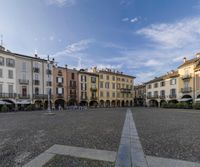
[(1, 40)]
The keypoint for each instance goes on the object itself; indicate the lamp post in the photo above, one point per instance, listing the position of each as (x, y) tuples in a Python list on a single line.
[(49, 89)]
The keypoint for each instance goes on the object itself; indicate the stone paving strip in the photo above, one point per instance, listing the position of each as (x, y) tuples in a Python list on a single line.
[(165, 162), (79, 152), (130, 152)]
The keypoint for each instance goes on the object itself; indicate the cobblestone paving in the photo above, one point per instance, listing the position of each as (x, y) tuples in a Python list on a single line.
[(169, 133), (24, 136)]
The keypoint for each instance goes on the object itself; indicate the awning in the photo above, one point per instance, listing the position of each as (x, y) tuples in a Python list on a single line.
[(4, 102), (185, 99), (198, 99)]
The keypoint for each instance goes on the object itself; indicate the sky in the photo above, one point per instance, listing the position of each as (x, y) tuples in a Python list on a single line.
[(143, 38)]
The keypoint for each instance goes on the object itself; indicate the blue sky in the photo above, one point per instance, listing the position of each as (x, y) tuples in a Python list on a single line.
[(144, 38)]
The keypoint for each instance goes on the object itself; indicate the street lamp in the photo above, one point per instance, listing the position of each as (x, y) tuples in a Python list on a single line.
[(49, 89)]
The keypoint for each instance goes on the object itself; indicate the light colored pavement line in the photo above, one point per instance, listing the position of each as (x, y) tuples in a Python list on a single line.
[(40, 160), (79, 152), (130, 152), (165, 162), (94, 154)]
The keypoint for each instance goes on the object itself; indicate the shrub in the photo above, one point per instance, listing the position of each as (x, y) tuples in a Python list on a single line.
[(183, 105), (4, 108), (171, 105), (31, 107), (196, 106), (164, 105)]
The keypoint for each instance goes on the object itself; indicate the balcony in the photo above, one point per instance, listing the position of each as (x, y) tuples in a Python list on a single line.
[(36, 69), (186, 90), (84, 98), (93, 89), (187, 76), (152, 97), (8, 95), (93, 98), (40, 96), (72, 86), (49, 83), (36, 82), (60, 95), (162, 96), (60, 84), (125, 90), (49, 72), (21, 96), (23, 81), (172, 96), (59, 73)]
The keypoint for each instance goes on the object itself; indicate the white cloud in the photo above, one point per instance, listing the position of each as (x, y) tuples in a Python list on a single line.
[(174, 35), (133, 20), (125, 19), (152, 62), (61, 3)]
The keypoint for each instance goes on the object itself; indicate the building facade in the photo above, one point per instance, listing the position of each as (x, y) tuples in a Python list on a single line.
[(139, 95)]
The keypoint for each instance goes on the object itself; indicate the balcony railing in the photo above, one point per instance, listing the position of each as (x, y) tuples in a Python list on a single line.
[(21, 96), (60, 84), (152, 97), (187, 76), (36, 69), (186, 90), (23, 81), (72, 86), (125, 90), (49, 72), (172, 96), (40, 96), (162, 96), (60, 95), (49, 83), (8, 95), (36, 82), (93, 89)]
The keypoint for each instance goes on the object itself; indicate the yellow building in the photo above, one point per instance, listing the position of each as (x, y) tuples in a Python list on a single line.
[(89, 87), (115, 88), (187, 86)]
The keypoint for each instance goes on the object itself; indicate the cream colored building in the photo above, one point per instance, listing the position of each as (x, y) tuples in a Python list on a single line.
[(115, 88), (163, 89)]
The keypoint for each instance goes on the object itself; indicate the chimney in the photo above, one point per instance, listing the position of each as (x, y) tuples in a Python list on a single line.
[(198, 55), (66, 66), (184, 59)]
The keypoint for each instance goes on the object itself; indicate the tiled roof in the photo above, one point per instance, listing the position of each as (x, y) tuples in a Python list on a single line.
[(188, 62)]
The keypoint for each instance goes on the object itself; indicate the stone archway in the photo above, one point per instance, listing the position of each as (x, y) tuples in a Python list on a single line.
[(60, 102), (127, 103), (113, 103), (102, 103), (123, 103), (107, 103), (153, 103), (93, 103), (83, 103), (131, 103), (118, 103)]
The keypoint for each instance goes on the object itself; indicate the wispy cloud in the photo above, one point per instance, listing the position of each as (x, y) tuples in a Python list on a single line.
[(61, 3), (135, 19), (125, 19), (173, 35), (131, 20)]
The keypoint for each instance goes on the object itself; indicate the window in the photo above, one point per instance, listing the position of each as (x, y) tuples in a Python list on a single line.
[(10, 74), (24, 66), (72, 76), (101, 76), (107, 77), (173, 92), (118, 86), (113, 94), (24, 76), (162, 83), (108, 94), (118, 95), (113, 78), (37, 92), (24, 91), (10, 88), (93, 79), (113, 85), (1, 88), (36, 77), (123, 80), (155, 85), (1, 73), (60, 91), (36, 65), (149, 94), (60, 79), (173, 81), (101, 94), (107, 85), (149, 86), (118, 79), (101, 84), (1, 61), (162, 93), (155, 93), (10, 62)]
